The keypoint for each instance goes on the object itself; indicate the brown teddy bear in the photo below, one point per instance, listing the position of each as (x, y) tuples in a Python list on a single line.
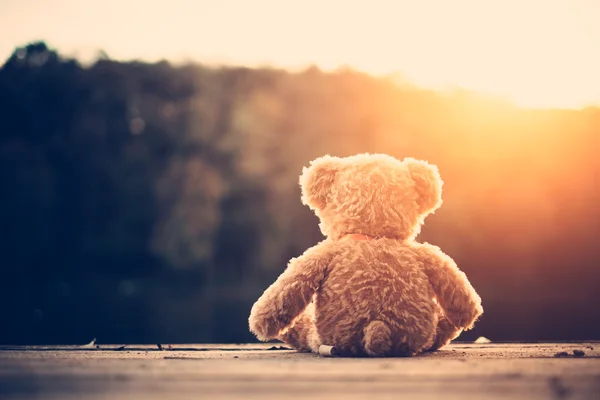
[(369, 289)]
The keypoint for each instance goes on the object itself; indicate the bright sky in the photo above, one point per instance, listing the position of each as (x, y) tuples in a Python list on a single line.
[(534, 52)]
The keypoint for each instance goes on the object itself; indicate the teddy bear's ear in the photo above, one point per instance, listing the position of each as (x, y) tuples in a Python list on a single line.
[(316, 181), (428, 184)]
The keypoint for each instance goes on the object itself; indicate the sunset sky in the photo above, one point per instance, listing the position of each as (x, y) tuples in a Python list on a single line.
[(536, 53)]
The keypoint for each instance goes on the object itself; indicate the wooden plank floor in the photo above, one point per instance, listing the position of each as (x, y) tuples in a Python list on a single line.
[(478, 371)]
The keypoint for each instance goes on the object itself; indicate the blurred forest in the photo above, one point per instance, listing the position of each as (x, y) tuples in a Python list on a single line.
[(153, 203)]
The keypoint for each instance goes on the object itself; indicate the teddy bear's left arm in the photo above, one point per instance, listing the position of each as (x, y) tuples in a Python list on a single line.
[(456, 296), (289, 295)]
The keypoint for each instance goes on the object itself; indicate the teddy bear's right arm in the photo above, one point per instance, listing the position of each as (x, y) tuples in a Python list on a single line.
[(290, 294), (454, 293)]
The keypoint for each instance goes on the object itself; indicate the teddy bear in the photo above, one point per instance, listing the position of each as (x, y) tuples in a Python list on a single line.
[(369, 288)]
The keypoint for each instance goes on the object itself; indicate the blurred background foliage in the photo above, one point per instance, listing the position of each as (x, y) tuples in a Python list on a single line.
[(146, 203)]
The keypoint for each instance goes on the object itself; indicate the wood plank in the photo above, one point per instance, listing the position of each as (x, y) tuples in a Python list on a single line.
[(207, 371)]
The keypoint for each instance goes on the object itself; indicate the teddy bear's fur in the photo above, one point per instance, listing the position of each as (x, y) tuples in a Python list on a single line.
[(369, 289)]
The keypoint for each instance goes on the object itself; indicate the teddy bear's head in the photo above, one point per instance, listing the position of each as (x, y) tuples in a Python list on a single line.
[(371, 194)]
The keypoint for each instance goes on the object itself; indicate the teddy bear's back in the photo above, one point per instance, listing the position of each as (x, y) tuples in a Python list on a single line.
[(373, 280)]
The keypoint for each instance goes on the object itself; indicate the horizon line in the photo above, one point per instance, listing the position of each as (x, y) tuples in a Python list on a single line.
[(396, 77)]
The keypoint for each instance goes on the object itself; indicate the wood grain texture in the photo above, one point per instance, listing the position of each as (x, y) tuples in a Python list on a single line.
[(482, 371)]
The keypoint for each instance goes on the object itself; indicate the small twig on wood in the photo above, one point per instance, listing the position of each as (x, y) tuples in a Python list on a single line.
[(182, 358), (90, 344)]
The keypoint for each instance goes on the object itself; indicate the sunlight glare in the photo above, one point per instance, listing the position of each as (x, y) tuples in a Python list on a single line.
[(535, 53)]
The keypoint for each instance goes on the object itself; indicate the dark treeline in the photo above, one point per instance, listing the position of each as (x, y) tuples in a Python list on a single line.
[(153, 203)]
